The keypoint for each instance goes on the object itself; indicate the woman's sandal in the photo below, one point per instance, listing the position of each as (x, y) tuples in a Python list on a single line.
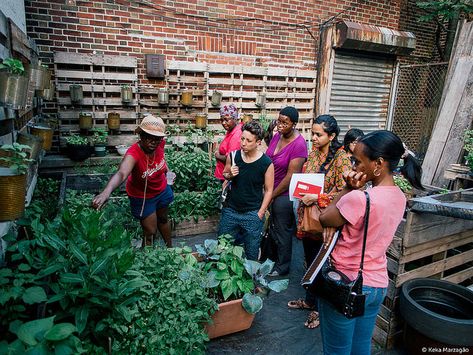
[(313, 320), (299, 304)]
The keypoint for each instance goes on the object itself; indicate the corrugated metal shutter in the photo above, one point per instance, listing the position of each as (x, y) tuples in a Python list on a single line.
[(360, 91)]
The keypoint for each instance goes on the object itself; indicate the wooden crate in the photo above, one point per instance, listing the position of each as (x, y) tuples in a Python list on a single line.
[(425, 245)]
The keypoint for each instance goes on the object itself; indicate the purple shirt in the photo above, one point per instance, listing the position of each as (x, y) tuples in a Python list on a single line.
[(296, 149)]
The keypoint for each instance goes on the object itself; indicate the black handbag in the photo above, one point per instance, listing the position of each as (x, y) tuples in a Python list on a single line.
[(335, 287)]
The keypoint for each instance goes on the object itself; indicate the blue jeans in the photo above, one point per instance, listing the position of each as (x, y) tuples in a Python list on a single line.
[(343, 336), (247, 226)]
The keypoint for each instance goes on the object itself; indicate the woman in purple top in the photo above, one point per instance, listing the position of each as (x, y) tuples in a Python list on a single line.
[(288, 151)]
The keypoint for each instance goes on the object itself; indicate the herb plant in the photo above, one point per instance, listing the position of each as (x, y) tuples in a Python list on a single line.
[(402, 183), (100, 135), (13, 66), (75, 139), (17, 160), (468, 146)]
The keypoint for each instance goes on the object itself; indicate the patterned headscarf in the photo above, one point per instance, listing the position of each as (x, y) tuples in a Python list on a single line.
[(229, 110)]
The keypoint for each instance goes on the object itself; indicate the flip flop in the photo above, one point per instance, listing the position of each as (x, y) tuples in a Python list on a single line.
[(299, 304), (313, 320)]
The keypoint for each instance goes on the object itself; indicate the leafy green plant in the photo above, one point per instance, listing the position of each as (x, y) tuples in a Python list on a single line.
[(468, 146), (75, 139), (402, 183), (232, 276), (42, 336), (17, 158), (264, 121), (100, 135), (13, 66)]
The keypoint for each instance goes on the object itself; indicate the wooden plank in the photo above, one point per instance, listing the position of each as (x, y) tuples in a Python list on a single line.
[(75, 127), (269, 95), (97, 88), (95, 59), (260, 83), (436, 267), (68, 115), (186, 66), (460, 276), (87, 101), (126, 139), (187, 228), (19, 40), (79, 74), (445, 119), (186, 79), (425, 227)]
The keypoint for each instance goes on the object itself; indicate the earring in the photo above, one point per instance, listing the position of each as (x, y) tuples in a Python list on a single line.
[(376, 172)]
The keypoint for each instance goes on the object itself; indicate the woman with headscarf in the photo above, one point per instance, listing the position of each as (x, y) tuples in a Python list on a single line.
[(231, 141), (288, 152), (144, 169)]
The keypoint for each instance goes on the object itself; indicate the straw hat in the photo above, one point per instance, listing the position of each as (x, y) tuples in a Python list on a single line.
[(152, 125)]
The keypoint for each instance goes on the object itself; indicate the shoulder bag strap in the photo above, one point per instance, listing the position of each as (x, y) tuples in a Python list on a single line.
[(367, 217)]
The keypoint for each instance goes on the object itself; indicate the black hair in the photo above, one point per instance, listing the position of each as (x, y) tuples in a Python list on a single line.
[(330, 125), (387, 145), (290, 112), (254, 128), (268, 135), (351, 136)]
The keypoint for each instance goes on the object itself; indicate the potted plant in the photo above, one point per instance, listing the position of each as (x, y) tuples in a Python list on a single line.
[(78, 147), (13, 180), (404, 185), (85, 121), (100, 139), (468, 146), (13, 83), (236, 283)]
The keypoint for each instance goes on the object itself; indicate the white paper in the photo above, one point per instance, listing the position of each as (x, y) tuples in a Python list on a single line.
[(314, 179)]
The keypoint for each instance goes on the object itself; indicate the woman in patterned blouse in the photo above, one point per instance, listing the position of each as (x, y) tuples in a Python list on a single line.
[(327, 157)]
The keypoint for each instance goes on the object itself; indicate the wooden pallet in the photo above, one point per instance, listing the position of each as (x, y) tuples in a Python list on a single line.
[(425, 245)]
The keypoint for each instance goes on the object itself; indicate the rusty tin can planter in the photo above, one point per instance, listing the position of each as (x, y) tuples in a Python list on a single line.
[(13, 90), (126, 94), (34, 142), (77, 93), (13, 191), (201, 120), (163, 96), (49, 93), (216, 98), (231, 317), (186, 98), (113, 120), (246, 117), (261, 100), (85, 120), (40, 77), (46, 133)]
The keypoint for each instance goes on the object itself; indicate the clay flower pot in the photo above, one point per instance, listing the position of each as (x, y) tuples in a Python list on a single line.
[(231, 317)]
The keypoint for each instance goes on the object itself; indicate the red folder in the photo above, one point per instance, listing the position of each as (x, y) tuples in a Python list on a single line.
[(304, 187)]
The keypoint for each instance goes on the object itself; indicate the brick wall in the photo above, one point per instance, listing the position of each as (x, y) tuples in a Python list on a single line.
[(256, 32)]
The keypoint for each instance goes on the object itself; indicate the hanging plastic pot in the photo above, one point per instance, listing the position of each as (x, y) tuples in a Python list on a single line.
[(261, 100), (113, 120), (127, 94), (163, 96), (216, 98), (186, 98), (76, 93), (85, 120), (201, 120)]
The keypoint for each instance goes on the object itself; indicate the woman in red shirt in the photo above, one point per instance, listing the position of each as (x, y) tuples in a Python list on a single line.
[(144, 168)]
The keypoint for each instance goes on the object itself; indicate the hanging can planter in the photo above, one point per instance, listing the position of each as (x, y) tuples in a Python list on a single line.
[(113, 120), (216, 98), (85, 120), (201, 120), (76, 93), (49, 93), (34, 142), (13, 191), (126, 94), (13, 90), (163, 96), (46, 133), (40, 76), (186, 98), (261, 100)]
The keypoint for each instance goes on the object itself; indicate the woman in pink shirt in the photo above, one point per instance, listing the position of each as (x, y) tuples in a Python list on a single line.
[(375, 157), (231, 141)]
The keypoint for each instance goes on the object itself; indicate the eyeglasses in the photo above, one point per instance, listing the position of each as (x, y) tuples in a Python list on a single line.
[(150, 138), (283, 124)]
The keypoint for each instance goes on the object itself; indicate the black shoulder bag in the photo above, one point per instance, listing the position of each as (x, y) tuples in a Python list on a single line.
[(335, 287)]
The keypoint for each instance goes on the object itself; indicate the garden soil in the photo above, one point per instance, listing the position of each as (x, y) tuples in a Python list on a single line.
[(276, 328)]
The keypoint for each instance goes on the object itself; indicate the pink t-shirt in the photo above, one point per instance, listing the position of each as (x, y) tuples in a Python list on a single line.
[(149, 172), (230, 143), (386, 211)]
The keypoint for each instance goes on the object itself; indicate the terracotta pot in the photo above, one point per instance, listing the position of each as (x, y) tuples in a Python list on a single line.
[(77, 93), (201, 120), (186, 98), (13, 191), (45, 133), (85, 120), (231, 317), (113, 120)]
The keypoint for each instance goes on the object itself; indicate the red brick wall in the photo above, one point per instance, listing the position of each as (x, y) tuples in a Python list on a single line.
[(197, 30)]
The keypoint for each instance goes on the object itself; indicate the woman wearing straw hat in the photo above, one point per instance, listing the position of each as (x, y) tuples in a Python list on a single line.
[(144, 168)]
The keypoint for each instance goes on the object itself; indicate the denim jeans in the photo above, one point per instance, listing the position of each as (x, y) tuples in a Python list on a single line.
[(246, 226), (343, 336)]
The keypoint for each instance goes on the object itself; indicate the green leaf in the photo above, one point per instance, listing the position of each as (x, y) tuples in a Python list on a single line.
[(29, 331), (227, 288), (72, 278), (39, 349), (266, 267), (60, 332), (278, 285), (252, 267), (252, 303), (24, 267), (98, 266), (78, 253), (49, 270), (34, 294), (81, 318), (63, 349)]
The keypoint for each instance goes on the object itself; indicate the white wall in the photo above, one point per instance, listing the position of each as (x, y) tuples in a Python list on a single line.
[(15, 9)]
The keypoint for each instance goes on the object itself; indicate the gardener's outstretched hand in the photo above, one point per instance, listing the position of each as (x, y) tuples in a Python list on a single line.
[(100, 200)]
